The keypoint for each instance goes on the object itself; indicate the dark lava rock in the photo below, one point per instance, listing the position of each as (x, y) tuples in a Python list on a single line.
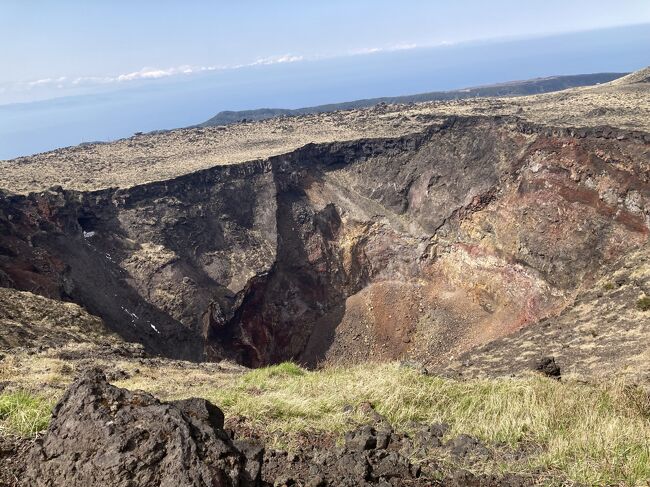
[(548, 367), (467, 446), (104, 435), (438, 429), (254, 458), (365, 438), (430, 436), (284, 481), (390, 465), (353, 465), (383, 440), (116, 374), (201, 410), (13, 453), (317, 481), (369, 458)]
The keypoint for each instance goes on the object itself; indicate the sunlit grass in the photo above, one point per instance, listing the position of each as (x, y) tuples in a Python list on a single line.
[(580, 433), (24, 413), (596, 435)]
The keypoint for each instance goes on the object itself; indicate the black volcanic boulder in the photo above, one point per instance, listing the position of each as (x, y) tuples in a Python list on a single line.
[(548, 367), (101, 435)]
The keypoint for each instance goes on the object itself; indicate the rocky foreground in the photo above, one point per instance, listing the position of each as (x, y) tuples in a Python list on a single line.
[(77, 413), (104, 435)]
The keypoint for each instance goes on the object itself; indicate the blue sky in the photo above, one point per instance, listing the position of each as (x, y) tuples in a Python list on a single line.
[(71, 47), (86, 70)]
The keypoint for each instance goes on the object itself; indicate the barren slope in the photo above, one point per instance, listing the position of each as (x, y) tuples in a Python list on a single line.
[(31, 321), (604, 335)]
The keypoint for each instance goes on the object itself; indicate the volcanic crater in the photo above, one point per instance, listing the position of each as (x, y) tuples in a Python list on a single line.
[(420, 246)]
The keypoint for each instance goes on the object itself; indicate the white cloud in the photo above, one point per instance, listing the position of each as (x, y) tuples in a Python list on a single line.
[(84, 80), (146, 73), (47, 81), (149, 73), (143, 74), (154, 73), (285, 58), (395, 47)]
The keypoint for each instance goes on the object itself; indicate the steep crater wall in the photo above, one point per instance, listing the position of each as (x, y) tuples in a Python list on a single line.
[(422, 246)]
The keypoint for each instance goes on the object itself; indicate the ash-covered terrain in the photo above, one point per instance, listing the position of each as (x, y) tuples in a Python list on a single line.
[(467, 240)]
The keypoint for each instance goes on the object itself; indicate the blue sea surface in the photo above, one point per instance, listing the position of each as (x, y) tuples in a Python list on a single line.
[(29, 128)]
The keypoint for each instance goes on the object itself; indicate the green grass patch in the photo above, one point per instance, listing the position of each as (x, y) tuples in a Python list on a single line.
[(589, 434), (259, 377), (24, 413), (644, 303)]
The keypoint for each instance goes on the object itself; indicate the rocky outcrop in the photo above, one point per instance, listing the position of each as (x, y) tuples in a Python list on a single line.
[(150, 260), (382, 456), (422, 246), (103, 435)]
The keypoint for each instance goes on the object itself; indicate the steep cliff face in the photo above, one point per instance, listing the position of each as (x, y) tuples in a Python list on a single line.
[(148, 260), (420, 246)]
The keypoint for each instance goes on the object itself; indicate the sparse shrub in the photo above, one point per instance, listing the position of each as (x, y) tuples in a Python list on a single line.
[(66, 369), (644, 303), (638, 398), (608, 286)]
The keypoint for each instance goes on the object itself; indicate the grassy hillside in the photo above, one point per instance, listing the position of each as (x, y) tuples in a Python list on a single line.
[(566, 432)]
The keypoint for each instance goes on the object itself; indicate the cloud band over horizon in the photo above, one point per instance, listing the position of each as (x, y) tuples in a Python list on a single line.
[(155, 73)]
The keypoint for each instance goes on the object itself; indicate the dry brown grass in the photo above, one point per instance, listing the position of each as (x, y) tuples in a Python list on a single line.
[(588, 434)]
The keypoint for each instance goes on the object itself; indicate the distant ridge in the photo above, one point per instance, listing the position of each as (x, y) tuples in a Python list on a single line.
[(511, 88), (640, 76)]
